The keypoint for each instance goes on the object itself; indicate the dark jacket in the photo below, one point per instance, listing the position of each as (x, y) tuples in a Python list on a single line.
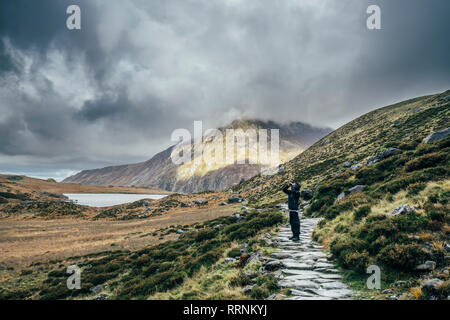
[(293, 196)]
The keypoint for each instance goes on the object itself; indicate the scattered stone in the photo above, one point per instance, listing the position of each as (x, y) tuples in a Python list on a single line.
[(272, 265), (183, 205), (340, 197), (381, 156), (437, 135), (200, 201), (387, 291), (281, 206), (146, 203), (97, 289), (357, 188), (276, 296), (427, 266), (229, 260), (234, 199), (255, 257), (403, 209), (180, 231), (222, 203), (238, 217), (280, 255), (356, 166), (297, 265), (429, 288), (334, 285), (100, 297), (298, 284), (400, 283), (347, 164)]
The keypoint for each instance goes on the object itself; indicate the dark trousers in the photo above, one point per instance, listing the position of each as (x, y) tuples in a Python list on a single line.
[(295, 223)]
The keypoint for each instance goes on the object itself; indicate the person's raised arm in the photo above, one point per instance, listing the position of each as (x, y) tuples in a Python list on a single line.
[(286, 189)]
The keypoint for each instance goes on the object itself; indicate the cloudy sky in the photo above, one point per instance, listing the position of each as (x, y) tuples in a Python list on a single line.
[(113, 92)]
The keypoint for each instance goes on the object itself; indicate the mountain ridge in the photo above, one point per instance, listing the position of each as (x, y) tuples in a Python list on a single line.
[(160, 172)]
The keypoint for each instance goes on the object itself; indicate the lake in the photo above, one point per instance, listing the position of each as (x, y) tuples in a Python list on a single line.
[(109, 199)]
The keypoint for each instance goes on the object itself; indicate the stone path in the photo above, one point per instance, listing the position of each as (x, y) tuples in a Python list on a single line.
[(304, 268)]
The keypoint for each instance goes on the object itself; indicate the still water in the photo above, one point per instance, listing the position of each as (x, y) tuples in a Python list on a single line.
[(108, 199)]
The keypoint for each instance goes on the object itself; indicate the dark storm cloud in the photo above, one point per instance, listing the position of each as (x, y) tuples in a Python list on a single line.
[(114, 91)]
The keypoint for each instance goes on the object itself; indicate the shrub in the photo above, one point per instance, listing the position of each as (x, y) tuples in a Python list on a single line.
[(206, 234), (240, 280), (437, 215), (402, 256), (342, 244), (236, 252), (332, 212), (362, 212), (357, 261), (425, 161), (415, 188)]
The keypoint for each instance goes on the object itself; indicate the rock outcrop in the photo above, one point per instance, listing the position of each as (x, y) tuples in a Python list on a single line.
[(437, 135)]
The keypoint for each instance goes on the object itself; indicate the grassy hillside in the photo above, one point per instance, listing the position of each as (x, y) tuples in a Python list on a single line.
[(358, 228), (190, 267)]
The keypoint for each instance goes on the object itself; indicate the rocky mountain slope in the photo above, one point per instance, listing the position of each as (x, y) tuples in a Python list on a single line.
[(160, 172)]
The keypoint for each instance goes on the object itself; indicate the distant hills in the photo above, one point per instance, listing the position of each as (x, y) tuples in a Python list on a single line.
[(160, 172)]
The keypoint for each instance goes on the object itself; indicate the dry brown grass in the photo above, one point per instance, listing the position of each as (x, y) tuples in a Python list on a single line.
[(27, 241)]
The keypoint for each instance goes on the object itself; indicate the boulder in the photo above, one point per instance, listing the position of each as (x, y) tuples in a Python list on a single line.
[(306, 194), (229, 260), (427, 266), (272, 265), (146, 203), (430, 287), (234, 199), (382, 155), (356, 166), (237, 216), (340, 197), (276, 296), (437, 135), (183, 205), (400, 283), (357, 188), (200, 201), (403, 209), (347, 164), (97, 289), (222, 203)]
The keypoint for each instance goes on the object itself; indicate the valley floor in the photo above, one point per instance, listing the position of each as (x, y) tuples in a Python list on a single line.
[(23, 242)]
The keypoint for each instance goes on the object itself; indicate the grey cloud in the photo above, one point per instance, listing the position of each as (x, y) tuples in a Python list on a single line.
[(114, 91)]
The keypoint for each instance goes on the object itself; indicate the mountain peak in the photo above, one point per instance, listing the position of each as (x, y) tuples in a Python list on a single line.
[(162, 173)]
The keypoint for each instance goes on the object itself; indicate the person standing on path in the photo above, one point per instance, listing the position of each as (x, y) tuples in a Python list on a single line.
[(293, 197)]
